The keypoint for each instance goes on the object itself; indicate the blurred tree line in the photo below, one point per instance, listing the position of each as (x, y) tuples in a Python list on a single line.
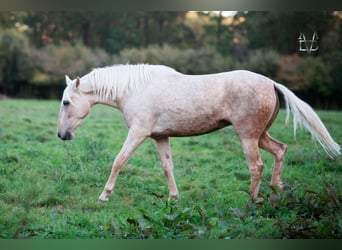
[(38, 48)]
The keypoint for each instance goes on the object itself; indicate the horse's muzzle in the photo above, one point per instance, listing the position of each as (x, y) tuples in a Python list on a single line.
[(67, 136)]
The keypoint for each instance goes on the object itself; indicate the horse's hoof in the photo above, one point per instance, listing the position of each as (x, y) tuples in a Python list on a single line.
[(258, 201), (103, 199), (173, 197)]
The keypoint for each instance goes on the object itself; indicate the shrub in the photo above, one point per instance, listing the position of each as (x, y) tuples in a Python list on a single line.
[(305, 74), (262, 61), (314, 74), (53, 62), (287, 74), (188, 61)]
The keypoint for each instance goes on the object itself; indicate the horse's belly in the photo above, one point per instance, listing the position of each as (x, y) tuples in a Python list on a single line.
[(187, 126)]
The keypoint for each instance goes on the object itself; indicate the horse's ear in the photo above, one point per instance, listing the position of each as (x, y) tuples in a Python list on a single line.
[(77, 82), (67, 80)]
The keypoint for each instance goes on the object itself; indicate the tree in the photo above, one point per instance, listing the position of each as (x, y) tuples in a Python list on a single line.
[(280, 30), (14, 65)]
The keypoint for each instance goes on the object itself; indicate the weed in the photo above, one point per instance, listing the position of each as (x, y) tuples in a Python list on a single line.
[(302, 213)]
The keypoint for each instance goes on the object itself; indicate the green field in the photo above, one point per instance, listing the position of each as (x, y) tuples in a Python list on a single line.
[(49, 188)]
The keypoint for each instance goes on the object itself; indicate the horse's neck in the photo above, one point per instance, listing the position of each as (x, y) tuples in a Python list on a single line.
[(133, 79), (111, 103), (95, 99), (88, 89)]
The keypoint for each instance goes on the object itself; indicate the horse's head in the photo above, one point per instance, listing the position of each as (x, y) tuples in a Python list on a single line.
[(75, 106)]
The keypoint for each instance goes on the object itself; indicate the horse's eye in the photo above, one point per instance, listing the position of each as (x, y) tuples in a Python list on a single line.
[(66, 102)]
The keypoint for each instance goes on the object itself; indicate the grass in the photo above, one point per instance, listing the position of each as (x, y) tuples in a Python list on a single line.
[(49, 188)]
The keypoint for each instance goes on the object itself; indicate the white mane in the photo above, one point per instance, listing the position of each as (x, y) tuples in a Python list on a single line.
[(114, 81)]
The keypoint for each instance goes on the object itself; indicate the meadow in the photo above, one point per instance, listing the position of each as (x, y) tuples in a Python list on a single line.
[(49, 188)]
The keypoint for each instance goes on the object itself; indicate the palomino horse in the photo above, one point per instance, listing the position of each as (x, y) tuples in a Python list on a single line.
[(159, 102)]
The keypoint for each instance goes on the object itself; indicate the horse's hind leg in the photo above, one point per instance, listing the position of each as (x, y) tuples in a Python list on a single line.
[(251, 150), (278, 150)]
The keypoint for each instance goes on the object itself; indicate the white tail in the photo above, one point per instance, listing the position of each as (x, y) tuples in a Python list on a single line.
[(303, 115)]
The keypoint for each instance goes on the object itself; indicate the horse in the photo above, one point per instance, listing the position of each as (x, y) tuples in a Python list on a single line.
[(158, 102)]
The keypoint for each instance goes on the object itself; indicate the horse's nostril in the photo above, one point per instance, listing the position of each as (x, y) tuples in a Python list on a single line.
[(66, 136)]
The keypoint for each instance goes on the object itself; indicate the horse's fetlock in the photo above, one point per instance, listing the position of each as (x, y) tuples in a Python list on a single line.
[(108, 191), (174, 195)]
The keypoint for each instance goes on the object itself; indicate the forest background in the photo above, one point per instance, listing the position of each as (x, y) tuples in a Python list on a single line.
[(38, 48)]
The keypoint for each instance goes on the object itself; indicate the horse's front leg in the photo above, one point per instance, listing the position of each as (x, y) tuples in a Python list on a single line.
[(132, 141), (164, 151)]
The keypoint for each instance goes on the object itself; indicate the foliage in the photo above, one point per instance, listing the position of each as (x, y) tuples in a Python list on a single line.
[(297, 213), (14, 62), (110, 30), (188, 61), (307, 73), (288, 73), (49, 188), (47, 45), (314, 75), (280, 30), (300, 212), (334, 62), (262, 61), (52, 62)]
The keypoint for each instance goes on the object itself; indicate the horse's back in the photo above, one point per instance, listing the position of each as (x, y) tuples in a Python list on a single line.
[(183, 105)]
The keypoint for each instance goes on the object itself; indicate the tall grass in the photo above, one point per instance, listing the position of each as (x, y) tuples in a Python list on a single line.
[(49, 188)]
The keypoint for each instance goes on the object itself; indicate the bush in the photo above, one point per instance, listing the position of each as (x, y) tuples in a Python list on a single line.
[(53, 62), (315, 75), (287, 74), (188, 61), (262, 61), (301, 213), (308, 74)]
